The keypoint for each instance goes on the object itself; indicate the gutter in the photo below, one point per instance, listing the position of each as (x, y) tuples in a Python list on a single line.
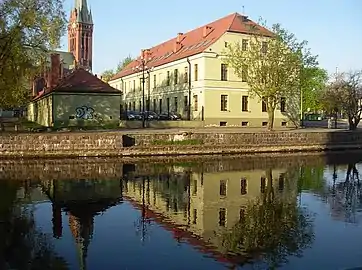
[(189, 88)]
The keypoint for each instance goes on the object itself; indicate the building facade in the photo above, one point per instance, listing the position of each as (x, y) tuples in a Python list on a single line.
[(187, 75)]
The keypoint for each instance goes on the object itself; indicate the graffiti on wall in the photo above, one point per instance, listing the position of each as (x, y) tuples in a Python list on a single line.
[(84, 112)]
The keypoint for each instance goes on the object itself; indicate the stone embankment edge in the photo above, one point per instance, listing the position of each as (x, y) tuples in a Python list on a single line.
[(195, 150)]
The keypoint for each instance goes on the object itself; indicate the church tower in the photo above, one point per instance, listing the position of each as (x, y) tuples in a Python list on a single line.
[(80, 34)]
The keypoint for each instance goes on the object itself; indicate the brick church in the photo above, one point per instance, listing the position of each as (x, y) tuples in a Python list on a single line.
[(66, 90)]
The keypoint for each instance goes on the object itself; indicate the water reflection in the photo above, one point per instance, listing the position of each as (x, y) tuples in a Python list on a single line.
[(237, 212)]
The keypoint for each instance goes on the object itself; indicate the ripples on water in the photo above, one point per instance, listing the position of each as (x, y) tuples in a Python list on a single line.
[(288, 212)]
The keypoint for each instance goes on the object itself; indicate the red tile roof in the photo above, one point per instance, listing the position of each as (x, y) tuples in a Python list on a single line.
[(81, 81), (195, 41)]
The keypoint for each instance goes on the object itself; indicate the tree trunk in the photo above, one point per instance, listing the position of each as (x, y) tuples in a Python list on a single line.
[(352, 123), (270, 119)]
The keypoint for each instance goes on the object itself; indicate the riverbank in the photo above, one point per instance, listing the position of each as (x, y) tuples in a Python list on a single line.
[(148, 143)]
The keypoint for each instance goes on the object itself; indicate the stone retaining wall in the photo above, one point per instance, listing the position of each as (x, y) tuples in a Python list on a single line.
[(183, 143)]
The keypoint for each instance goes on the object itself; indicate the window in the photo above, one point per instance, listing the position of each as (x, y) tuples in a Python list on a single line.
[(224, 103), (264, 47), (243, 186), (282, 104), (244, 103), (196, 105), (186, 103), (134, 84), (160, 105), (168, 104), (242, 214), (244, 73), (281, 182), (194, 192), (175, 104), (222, 217), (222, 187), (263, 104), (196, 72), (264, 124), (244, 44), (134, 105), (244, 124), (154, 81), (186, 75), (129, 106), (175, 76), (223, 124), (168, 78), (154, 105), (194, 218), (224, 72), (226, 44), (262, 184), (284, 124)]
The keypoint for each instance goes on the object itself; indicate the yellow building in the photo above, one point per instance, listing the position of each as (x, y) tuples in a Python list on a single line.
[(199, 207), (186, 74)]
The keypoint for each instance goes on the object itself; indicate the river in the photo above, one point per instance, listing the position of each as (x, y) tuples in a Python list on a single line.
[(250, 212)]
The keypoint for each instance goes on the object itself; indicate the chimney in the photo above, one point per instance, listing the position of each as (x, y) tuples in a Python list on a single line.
[(54, 72), (177, 45), (206, 31), (179, 37)]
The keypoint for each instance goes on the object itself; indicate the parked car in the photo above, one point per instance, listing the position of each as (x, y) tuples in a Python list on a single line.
[(169, 116), (132, 115), (150, 115)]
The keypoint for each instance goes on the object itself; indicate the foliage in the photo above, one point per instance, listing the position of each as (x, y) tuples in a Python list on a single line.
[(122, 64), (270, 226), (273, 67), (313, 84), (108, 74), (344, 94), (312, 179), (28, 31), (22, 246)]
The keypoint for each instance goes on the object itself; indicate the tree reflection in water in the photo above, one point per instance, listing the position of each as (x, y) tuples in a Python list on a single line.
[(22, 245), (272, 227)]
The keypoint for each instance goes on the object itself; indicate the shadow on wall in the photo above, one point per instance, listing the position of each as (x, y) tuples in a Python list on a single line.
[(292, 111)]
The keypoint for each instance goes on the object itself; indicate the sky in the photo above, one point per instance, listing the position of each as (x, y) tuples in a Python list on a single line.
[(333, 28)]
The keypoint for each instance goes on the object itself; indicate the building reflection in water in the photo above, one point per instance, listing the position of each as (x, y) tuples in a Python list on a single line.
[(209, 210), (82, 200)]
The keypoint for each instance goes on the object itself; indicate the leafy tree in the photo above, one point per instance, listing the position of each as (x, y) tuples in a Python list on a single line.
[(344, 94), (312, 88), (28, 31), (272, 66), (271, 225), (107, 75), (122, 64)]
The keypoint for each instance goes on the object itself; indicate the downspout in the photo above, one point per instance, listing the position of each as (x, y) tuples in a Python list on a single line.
[(189, 88)]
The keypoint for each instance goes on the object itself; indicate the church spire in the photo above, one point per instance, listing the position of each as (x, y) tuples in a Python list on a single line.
[(83, 14)]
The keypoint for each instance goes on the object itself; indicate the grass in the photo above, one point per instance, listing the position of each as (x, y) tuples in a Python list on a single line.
[(183, 142)]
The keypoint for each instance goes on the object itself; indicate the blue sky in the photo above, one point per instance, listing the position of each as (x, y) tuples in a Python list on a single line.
[(333, 28)]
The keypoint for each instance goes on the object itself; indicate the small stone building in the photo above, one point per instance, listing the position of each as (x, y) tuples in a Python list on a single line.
[(78, 98)]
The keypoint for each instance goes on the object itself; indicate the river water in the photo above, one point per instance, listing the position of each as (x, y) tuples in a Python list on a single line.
[(251, 212)]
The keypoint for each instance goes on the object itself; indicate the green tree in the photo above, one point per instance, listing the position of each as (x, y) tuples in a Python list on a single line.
[(107, 75), (313, 84), (28, 31), (122, 64), (272, 66), (272, 226)]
